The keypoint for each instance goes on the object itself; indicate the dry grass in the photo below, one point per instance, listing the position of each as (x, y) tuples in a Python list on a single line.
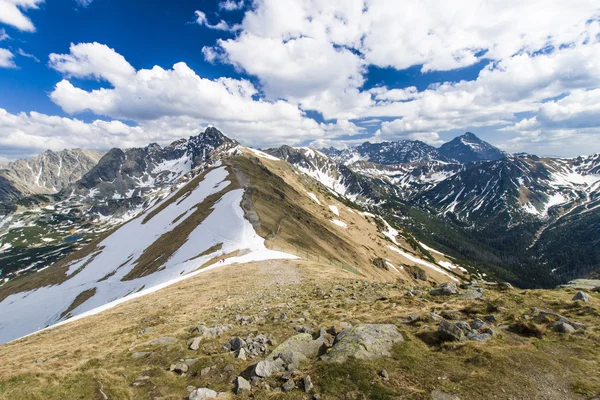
[(81, 357)]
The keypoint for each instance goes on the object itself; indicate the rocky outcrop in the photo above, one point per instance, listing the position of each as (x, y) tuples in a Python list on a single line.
[(364, 342)]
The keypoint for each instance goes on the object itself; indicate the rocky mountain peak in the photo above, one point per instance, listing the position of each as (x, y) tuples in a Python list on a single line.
[(470, 148)]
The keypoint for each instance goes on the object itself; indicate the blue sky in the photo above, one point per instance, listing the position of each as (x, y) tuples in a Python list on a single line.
[(105, 73)]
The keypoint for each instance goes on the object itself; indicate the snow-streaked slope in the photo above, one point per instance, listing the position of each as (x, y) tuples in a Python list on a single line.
[(26, 312)]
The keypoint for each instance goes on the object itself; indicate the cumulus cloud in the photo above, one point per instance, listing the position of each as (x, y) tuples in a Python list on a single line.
[(231, 5), (6, 59), (12, 13), (178, 96)]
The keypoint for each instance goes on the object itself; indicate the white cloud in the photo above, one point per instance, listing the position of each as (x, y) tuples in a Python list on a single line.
[(178, 96), (93, 60), (231, 5), (220, 26), (22, 53), (6, 59), (3, 35), (11, 13)]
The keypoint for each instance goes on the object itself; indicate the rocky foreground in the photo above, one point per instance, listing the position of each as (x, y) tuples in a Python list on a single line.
[(299, 331)]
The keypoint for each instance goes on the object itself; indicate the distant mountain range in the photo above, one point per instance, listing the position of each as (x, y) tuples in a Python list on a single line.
[(462, 149), (527, 219)]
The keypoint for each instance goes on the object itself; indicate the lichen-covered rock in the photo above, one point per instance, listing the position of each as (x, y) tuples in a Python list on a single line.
[(365, 342), (445, 289), (302, 343), (563, 327), (457, 331)]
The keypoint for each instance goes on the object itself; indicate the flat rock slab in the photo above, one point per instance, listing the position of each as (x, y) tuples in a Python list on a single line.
[(302, 343), (364, 342)]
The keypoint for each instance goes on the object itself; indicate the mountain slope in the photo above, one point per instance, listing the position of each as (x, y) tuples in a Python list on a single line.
[(47, 173), (234, 210)]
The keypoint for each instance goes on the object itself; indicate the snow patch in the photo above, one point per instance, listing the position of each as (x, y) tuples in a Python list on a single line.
[(314, 197), (422, 262), (335, 210), (339, 223)]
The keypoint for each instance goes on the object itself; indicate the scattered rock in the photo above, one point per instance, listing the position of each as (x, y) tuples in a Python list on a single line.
[(203, 330), (205, 371), (266, 368), (490, 318), (582, 296), (145, 330), (474, 293), (456, 331), (563, 327), (384, 375), (237, 343), (365, 342), (203, 394), (163, 341), (289, 385), (190, 361), (479, 337), (477, 323), (308, 385), (194, 344), (302, 343), (241, 385), (241, 354), (445, 289), (179, 368), (505, 286)]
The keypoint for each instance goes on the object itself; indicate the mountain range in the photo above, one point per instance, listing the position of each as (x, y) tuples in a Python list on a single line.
[(130, 220)]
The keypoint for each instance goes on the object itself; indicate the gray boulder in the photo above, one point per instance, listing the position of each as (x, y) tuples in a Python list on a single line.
[(308, 385), (457, 331), (563, 327), (302, 343), (203, 394), (140, 354), (582, 296), (266, 368), (445, 289), (194, 344), (179, 368), (365, 342), (241, 385)]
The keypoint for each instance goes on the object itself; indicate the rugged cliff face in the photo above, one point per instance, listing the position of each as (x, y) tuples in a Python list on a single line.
[(47, 173)]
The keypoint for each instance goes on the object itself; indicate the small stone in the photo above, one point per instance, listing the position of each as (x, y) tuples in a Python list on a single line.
[(237, 343), (205, 371), (190, 361), (316, 396), (563, 327), (194, 344), (505, 286), (457, 331), (308, 385), (229, 368), (289, 385), (241, 354), (490, 318), (190, 388), (203, 394), (241, 385), (582, 296), (445, 289), (384, 375), (179, 368), (477, 323)]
